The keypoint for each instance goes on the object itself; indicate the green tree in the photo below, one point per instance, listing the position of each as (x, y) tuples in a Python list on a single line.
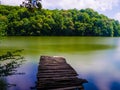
[(3, 25), (85, 22)]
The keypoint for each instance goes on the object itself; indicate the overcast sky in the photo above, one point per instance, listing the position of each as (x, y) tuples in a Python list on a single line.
[(109, 8)]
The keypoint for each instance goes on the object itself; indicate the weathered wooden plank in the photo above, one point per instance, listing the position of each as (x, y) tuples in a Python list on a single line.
[(56, 67), (61, 74), (64, 88), (65, 82), (49, 76), (56, 78), (58, 70), (55, 74), (47, 60), (70, 88)]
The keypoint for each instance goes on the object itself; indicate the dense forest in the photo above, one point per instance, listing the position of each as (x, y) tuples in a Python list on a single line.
[(19, 21)]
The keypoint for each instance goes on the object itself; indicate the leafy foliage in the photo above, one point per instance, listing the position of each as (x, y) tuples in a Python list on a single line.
[(85, 22)]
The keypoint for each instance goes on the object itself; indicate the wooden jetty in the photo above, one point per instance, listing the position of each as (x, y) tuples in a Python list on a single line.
[(55, 74)]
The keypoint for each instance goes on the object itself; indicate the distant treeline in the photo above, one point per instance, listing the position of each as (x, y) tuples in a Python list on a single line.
[(19, 21)]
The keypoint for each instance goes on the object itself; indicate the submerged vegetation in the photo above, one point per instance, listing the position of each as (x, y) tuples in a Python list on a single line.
[(43, 22), (8, 64)]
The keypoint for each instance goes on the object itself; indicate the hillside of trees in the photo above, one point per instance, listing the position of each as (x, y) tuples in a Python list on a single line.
[(19, 21)]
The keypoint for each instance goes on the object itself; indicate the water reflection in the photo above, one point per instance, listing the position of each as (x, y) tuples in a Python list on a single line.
[(24, 82), (3, 85), (96, 59), (115, 85), (100, 69), (9, 62), (99, 82)]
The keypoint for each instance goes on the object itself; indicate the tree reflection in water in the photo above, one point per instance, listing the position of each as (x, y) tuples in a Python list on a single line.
[(8, 64)]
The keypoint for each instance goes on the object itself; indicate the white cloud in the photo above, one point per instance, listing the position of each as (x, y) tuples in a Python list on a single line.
[(11, 2), (101, 5), (117, 16)]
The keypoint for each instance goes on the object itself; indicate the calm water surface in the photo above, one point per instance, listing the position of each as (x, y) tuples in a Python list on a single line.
[(96, 59)]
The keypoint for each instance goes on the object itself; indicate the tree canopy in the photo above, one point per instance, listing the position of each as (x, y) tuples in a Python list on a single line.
[(17, 21)]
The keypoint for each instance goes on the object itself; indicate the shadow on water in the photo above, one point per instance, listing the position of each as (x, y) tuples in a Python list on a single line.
[(8, 64), (115, 85), (91, 85), (3, 85)]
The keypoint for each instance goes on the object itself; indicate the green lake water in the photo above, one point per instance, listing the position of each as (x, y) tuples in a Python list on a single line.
[(96, 59)]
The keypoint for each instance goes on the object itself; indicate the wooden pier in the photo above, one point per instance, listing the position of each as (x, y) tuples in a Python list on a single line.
[(55, 74)]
